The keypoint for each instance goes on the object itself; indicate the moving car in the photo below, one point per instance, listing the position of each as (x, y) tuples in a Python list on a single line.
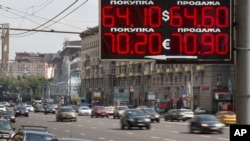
[(226, 117), (205, 123), (200, 110), (99, 111), (66, 113), (135, 118), (2, 108), (152, 114), (34, 128), (49, 109), (179, 114), (6, 129), (30, 108), (119, 111), (21, 111), (84, 110), (38, 108), (110, 109), (9, 115), (28, 135)]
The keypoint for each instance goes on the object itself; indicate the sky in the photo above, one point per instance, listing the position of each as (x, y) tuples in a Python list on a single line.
[(58, 15)]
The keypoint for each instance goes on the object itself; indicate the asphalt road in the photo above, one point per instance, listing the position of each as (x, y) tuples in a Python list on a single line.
[(108, 129)]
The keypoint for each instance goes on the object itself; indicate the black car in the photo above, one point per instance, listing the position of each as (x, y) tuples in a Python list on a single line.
[(152, 114), (135, 118), (205, 123), (49, 109), (9, 115), (6, 129), (21, 111)]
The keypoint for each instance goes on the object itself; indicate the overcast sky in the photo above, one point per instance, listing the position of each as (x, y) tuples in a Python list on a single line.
[(36, 14)]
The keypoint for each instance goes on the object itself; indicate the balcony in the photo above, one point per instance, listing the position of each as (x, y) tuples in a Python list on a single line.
[(117, 63), (200, 68), (178, 70), (123, 75), (117, 75), (169, 70), (159, 71), (187, 69), (123, 63), (131, 74), (137, 74), (131, 62), (146, 73), (101, 65)]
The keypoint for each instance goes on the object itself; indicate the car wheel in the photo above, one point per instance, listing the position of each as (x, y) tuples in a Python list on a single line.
[(148, 127), (129, 126), (107, 116), (114, 117), (158, 120), (118, 117), (57, 120), (191, 129), (122, 126), (92, 116)]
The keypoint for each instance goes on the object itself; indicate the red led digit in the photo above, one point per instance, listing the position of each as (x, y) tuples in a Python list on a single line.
[(222, 46), (107, 16), (191, 13), (111, 41), (123, 13), (222, 12), (208, 43), (207, 17), (175, 16), (123, 43), (190, 44), (139, 46), (155, 13), (155, 41)]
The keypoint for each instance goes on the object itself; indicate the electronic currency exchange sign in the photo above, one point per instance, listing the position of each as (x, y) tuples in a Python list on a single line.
[(169, 30)]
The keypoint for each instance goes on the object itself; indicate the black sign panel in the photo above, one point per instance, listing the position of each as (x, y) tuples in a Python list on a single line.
[(175, 30)]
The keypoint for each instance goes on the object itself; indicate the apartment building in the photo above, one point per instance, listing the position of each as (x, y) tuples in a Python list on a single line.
[(28, 63), (113, 82)]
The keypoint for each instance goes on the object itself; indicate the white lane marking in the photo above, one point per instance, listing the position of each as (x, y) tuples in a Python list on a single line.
[(131, 133), (80, 125), (175, 132), (225, 139), (205, 136), (111, 140), (83, 134), (168, 126), (169, 140), (89, 121), (114, 124), (54, 128), (100, 138), (67, 131), (93, 127), (155, 137)]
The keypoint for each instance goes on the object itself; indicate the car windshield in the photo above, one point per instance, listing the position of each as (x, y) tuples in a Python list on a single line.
[(1, 106), (67, 110), (208, 118), (123, 108), (135, 113), (5, 125), (100, 108), (7, 113), (84, 108), (149, 110), (39, 137), (21, 108)]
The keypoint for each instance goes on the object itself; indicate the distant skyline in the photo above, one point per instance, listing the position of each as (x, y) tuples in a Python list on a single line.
[(66, 15)]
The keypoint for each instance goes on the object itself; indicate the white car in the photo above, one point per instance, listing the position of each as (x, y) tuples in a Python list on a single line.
[(84, 111), (110, 109), (30, 108), (2, 108)]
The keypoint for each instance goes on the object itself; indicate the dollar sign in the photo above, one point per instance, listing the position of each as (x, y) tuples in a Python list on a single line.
[(165, 15)]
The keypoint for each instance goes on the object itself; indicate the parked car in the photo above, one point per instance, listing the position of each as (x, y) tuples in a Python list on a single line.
[(66, 113), (6, 129), (119, 111), (84, 110), (135, 118), (21, 111), (226, 117), (152, 114), (49, 109), (110, 109), (206, 123), (179, 114), (38, 108), (9, 115), (99, 111), (30, 108)]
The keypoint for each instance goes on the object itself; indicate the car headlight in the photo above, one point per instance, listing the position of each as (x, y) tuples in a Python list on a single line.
[(12, 117), (219, 125), (147, 119), (157, 116), (131, 119), (148, 116), (205, 125)]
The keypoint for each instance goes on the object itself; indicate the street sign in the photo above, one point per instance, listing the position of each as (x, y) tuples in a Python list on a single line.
[(168, 30)]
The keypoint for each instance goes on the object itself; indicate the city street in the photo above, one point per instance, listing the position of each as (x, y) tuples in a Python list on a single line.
[(108, 129)]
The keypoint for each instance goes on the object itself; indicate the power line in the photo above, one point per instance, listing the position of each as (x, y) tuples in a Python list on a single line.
[(37, 30)]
